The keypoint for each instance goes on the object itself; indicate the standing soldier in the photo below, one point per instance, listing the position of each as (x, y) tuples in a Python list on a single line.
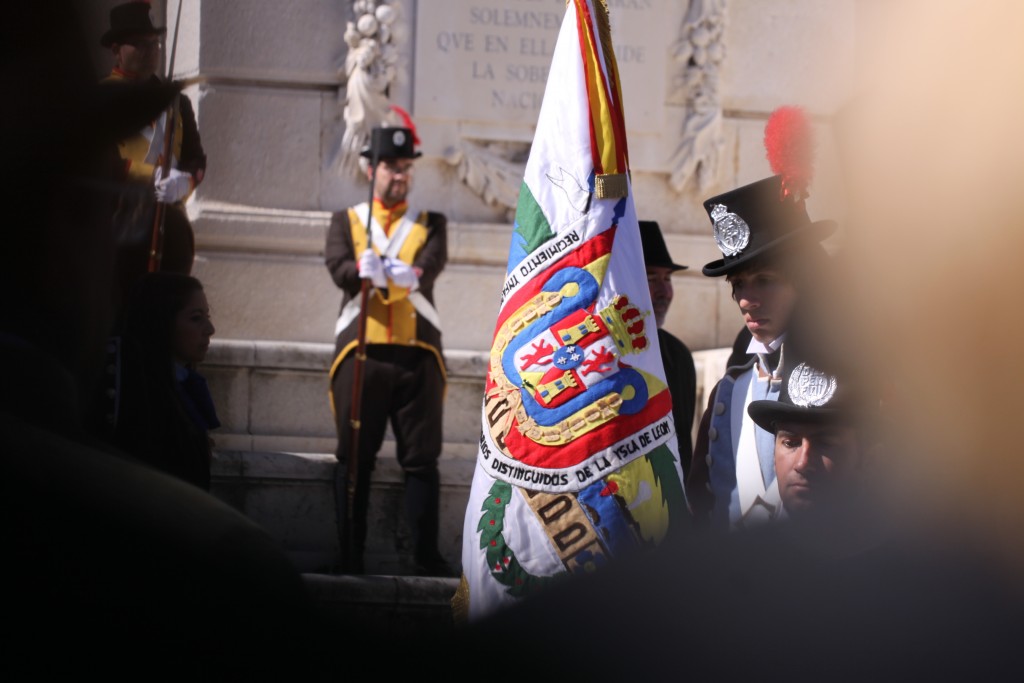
[(136, 47), (402, 373)]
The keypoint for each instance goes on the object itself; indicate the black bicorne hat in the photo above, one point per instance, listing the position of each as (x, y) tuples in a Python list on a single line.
[(810, 394), (756, 219), (391, 143), (129, 19), (655, 250)]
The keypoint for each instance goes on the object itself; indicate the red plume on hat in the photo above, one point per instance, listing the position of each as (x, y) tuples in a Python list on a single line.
[(789, 141), (406, 122)]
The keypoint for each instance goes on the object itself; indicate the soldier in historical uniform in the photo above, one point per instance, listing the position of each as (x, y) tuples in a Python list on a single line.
[(403, 375), (136, 43), (824, 432), (680, 373), (772, 258)]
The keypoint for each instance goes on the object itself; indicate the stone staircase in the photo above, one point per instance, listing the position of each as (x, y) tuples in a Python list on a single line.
[(274, 459)]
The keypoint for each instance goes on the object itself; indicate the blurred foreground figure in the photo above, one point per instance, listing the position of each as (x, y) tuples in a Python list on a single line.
[(136, 46), (110, 565), (939, 218)]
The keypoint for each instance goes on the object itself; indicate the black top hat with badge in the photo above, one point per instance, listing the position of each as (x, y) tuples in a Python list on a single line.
[(812, 395), (130, 19), (68, 115), (655, 250), (770, 214), (392, 143)]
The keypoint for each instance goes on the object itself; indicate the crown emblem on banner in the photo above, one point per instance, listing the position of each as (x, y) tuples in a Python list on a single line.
[(625, 323)]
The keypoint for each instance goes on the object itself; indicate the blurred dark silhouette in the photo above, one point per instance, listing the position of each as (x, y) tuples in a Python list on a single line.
[(163, 164), (111, 567), (766, 604)]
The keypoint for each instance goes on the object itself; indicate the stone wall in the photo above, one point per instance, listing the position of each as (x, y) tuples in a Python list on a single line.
[(269, 87)]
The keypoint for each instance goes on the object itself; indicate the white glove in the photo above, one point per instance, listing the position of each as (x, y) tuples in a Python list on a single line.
[(401, 273), (174, 187), (371, 268)]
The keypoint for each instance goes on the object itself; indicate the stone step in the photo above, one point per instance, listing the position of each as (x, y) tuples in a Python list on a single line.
[(274, 451), (384, 605), (291, 495)]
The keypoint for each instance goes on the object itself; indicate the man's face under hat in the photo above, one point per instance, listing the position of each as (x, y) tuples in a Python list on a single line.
[(814, 461), (766, 297), (391, 180), (138, 55), (394, 149), (659, 266)]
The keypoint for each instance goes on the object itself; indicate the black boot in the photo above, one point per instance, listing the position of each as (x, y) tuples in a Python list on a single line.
[(422, 510)]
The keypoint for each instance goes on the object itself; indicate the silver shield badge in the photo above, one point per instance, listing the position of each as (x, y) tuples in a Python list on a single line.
[(398, 138), (732, 234), (810, 388)]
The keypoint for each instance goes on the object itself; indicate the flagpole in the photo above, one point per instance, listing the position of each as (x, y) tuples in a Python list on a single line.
[(156, 244)]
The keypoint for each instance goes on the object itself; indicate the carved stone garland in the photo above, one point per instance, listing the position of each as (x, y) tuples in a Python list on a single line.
[(371, 67), (699, 52)]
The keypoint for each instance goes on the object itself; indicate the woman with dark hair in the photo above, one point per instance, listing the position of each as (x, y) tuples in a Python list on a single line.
[(165, 411)]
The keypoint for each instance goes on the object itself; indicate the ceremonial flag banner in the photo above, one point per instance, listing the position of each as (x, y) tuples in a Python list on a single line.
[(578, 461)]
